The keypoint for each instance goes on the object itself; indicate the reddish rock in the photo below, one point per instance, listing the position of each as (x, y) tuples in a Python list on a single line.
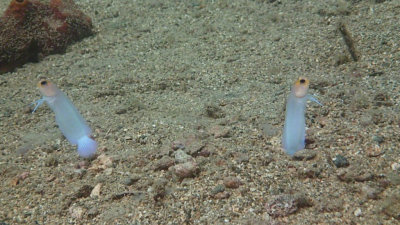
[(31, 30), (186, 170)]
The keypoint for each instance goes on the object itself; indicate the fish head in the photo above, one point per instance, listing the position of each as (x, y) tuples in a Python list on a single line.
[(47, 88), (300, 87)]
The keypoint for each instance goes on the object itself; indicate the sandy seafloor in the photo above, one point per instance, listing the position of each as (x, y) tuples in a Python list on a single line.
[(205, 83)]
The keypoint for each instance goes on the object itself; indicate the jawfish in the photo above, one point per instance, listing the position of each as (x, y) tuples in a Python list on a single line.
[(68, 118), (294, 131)]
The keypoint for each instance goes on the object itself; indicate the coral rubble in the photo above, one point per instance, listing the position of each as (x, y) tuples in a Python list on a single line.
[(31, 30)]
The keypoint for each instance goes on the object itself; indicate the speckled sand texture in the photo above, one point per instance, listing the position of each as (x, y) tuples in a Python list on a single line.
[(186, 100)]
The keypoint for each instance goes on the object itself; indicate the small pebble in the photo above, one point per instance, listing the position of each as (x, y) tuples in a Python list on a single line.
[(131, 180), (164, 163), (93, 212), (121, 111), (182, 157), (101, 163), (127, 138), (378, 139), (329, 205), (214, 111), (375, 151), (51, 162), (76, 212), (186, 170), (268, 130), (50, 178), (105, 160), (220, 131), (82, 192), (232, 182), (242, 158), (177, 145), (23, 150), (340, 161), (310, 172), (358, 212), (205, 152), (108, 171), (219, 188), (82, 165), (96, 190), (304, 155), (79, 172), (366, 120), (222, 195), (395, 166), (27, 109), (285, 204), (194, 146), (369, 192), (15, 181), (158, 190), (391, 206), (354, 173), (24, 175), (394, 178)]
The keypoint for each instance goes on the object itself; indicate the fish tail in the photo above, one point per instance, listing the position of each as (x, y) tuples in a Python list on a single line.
[(87, 147)]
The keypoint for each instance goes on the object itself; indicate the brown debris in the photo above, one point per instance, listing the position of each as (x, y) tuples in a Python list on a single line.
[(350, 43), (232, 182)]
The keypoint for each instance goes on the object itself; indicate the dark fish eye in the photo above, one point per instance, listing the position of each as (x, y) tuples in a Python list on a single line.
[(302, 81), (44, 82), (20, 1)]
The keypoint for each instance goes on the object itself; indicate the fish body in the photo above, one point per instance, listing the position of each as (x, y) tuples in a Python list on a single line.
[(294, 131), (68, 119)]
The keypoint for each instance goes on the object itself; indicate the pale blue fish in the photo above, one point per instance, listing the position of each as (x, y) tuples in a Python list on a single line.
[(294, 131), (68, 119)]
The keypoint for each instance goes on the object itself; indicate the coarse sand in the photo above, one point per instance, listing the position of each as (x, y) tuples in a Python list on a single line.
[(186, 100)]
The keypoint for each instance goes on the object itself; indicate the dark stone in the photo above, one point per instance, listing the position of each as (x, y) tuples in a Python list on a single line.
[(378, 139), (219, 188), (340, 161)]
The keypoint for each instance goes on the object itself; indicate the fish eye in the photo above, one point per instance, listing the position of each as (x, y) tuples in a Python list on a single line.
[(302, 81), (44, 82)]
